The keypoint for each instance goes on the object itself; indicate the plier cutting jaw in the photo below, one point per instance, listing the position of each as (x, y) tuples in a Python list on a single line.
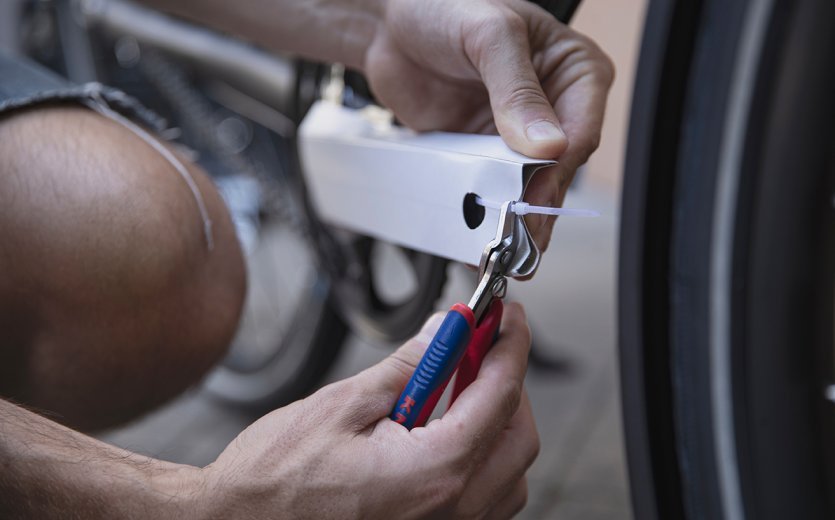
[(512, 253), (468, 331)]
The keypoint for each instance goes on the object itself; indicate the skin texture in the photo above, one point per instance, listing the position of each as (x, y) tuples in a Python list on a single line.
[(344, 458), (110, 303)]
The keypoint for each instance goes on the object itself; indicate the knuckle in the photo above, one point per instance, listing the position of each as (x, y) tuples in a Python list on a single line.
[(341, 396), (514, 24), (348, 388), (515, 316), (524, 94), (605, 67), (511, 396), (459, 462), (590, 45), (594, 142), (588, 60), (534, 446), (520, 497), (587, 146), (518, 311), (460, 459), (519, 323), (330, 393), (497, 22), (544, 239), (525, 331), (489, 30), (608, 69), (593, 69), (600, 71), (449, 492)]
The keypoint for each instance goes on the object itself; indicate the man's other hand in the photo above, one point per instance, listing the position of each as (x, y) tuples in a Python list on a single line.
[(483, 66)]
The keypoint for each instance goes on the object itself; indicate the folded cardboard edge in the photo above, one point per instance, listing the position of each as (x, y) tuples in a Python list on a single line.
[(487, 146)]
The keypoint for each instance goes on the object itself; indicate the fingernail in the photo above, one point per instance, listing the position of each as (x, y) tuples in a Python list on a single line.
[(544, 131)]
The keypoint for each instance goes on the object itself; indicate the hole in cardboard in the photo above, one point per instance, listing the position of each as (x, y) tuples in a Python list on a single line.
[(473, 211)]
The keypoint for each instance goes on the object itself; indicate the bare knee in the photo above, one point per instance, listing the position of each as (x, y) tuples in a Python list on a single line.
[(115, 301)]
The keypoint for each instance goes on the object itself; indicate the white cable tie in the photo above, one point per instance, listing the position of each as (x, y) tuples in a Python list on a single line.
[(523, 208), (487, 203)]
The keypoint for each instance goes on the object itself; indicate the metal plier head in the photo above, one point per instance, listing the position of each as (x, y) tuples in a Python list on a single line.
[(512, 253)]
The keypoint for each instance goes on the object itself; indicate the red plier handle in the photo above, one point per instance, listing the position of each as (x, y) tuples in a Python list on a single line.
[(483, 337)]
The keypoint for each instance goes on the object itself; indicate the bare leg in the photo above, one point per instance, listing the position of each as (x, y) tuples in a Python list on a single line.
[(110, 301)]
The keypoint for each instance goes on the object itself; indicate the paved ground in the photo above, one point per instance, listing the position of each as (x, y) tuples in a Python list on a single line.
[(580, 473)]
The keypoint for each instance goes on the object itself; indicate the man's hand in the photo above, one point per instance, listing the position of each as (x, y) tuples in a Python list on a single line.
[(337, 454), (485, 65)]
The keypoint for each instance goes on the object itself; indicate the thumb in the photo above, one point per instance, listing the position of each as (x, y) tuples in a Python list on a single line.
[(523, 115), (381, 384)]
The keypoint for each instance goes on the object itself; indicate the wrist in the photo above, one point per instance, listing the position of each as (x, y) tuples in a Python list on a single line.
[(179, 491), (324, 30), (223, 491)]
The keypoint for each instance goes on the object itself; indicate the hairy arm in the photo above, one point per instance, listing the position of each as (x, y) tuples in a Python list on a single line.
[(323, 30), (48, 470)]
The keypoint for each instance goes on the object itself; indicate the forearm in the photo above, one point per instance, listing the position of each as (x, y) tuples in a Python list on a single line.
[(322, 30), (48, 470)]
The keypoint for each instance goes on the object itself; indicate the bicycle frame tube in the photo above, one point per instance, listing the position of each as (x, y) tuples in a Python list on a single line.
[(266, 76)]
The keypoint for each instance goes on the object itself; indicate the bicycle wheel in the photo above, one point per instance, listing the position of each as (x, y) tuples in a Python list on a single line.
[(289, 335), (727, 258)]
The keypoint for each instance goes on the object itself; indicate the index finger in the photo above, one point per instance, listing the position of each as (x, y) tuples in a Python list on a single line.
[(483, 410)]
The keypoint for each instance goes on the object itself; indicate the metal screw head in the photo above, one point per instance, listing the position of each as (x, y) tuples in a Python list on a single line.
[(506, 257), (499, 288)]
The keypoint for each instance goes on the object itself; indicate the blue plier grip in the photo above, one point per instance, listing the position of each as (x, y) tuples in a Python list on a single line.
[(437, 364)]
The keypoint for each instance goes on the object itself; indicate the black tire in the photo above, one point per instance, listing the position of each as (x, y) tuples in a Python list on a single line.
[(726, 275)]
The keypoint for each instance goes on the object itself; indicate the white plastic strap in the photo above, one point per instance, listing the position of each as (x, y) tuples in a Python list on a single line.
[(523, 208)]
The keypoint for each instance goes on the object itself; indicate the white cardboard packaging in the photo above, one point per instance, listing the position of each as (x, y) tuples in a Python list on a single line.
[(373, 178)]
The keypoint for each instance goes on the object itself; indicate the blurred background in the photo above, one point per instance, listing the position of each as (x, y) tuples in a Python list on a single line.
[(580, 473)]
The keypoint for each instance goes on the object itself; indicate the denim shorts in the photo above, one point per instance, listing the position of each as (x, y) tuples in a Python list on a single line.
[(26, 84)]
